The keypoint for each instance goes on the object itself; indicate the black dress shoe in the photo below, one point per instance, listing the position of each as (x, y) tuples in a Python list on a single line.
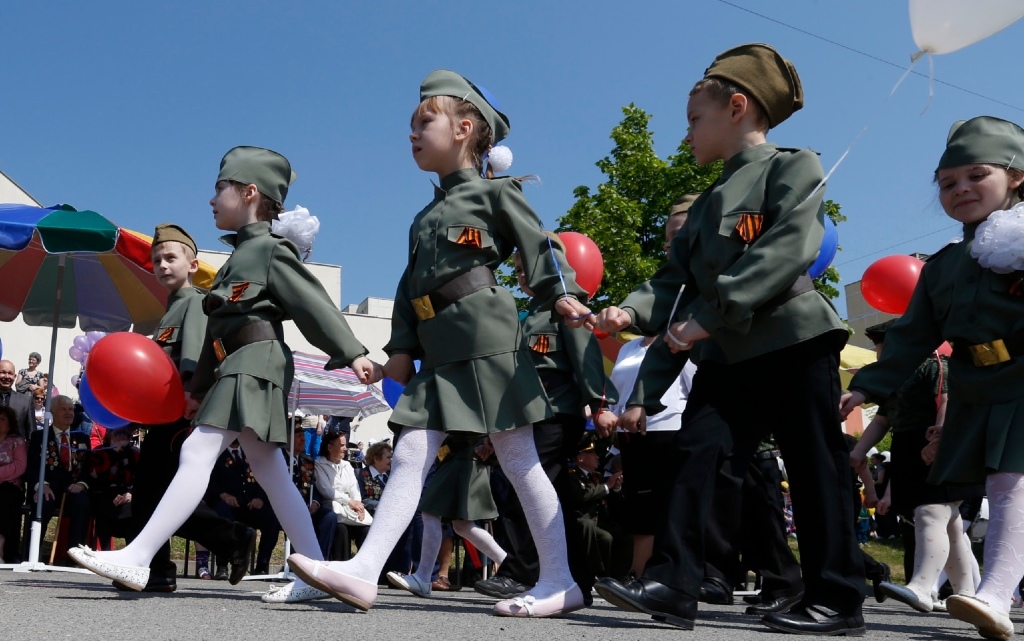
[(221, 574), (499, 587), (240, 559), (876, 583), (715, 591), (816, 620), (776, 604), (650, 597), (155, 584)]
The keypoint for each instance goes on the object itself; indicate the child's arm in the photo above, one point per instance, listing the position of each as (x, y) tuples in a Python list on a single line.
[(193, 337), (404, 345), (872, 436), (658, 372), (774, 260), (307, 303), (587, 362)]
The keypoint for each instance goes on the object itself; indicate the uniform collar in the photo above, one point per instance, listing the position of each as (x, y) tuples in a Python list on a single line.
[(747, 156), (455, 179), (250, 231), (182, 293)]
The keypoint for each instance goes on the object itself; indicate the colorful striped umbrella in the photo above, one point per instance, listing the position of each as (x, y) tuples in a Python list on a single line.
[(108, 283), (336, 392)]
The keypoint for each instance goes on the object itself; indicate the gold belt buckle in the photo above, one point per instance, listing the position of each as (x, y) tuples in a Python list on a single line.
[(218, 349), (423, 307), (991, 353)]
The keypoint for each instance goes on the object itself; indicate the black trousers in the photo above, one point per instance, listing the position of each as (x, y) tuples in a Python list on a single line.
[(557, 442), (11, 499), (158, 463), (792, 393), (747, 520)]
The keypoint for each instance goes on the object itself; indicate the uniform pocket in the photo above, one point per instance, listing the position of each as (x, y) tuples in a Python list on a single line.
[(745, 226), (543, 343), (167, 335)]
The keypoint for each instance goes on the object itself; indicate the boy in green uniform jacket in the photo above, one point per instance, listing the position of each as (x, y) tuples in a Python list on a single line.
[(737, 276)]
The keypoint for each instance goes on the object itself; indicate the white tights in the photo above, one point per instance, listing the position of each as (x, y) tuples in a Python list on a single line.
[(199, 454), (941, 544), (431, 543), (1004, 541), (517, 454)]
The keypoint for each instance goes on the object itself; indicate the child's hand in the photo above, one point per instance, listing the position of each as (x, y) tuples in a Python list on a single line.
[(883, 506), (576, 313), (191, 406), (613, 319), (400, 368), (634, 419), (849, 401), (605, 423), (681, 336), (858, 460), (366, 370)]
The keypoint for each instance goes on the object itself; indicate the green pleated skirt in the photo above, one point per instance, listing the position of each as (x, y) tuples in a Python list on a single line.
[(978, 440), (460, 487), (237, 401)]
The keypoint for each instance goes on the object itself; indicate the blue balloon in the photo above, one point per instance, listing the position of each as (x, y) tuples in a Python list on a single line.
[(95, 411), (393, 389), (827, 253)]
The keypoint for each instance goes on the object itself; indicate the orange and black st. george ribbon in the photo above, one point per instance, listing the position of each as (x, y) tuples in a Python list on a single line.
[(165, 335), (469, 236), (749, 227), (236, 292), (542, 344)]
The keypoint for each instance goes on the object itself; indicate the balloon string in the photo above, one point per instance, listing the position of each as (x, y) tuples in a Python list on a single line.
[(842, 157), (561, 278)]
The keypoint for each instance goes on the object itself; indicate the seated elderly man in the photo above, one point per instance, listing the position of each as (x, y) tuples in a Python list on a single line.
[(66, 472)]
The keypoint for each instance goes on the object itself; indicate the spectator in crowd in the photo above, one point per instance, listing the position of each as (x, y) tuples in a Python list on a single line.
[(374, 475), (112, 471), (590, 492), (28, 380), (313, 429), (39, 409), (13, 461), (66, 472), (336, 482), (303, 469), (235, 494), (20, 403)]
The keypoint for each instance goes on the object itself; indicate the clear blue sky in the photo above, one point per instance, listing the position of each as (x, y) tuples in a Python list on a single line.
[(127, 107)]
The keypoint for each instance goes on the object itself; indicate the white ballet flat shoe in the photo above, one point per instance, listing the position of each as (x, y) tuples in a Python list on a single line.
[(291, 594), (409, 583), (132, 576), (356, 592), (528, 606), (903, 594), (990, 623)]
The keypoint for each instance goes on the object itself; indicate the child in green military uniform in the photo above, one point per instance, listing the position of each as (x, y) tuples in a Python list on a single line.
[(737, 278), (973, 297), (450, 312), (245, 369)]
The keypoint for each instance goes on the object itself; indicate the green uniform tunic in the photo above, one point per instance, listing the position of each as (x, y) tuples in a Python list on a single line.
[(569, 362), (746, 241), (476, 375), (264, 279), (182, 330), (958, 300)]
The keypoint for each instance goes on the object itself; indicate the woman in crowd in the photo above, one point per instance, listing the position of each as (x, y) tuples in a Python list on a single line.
[(28, 379), (13, 460), (336, 482)]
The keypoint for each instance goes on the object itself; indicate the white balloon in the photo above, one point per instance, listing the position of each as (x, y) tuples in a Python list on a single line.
[(942, 26)]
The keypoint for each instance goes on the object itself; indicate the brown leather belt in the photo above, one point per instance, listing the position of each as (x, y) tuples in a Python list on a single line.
[(253, 332), (990, 353), (480, 277)]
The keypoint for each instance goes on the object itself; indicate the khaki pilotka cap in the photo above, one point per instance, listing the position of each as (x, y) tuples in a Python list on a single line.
[(769, 78), (682, 205), (169, 232), (268, 170), (984, 140), (448, 83)]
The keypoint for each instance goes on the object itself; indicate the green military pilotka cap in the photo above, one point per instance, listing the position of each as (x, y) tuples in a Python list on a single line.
[(448, 83), (770, 79), (984, 140), (268, 170), (876, 333), (682, 205), (169, 232)]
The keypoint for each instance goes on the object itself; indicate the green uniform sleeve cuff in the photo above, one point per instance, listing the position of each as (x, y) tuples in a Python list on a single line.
[(710, 319)]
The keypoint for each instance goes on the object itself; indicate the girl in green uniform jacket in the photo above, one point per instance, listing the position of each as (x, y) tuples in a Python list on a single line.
[(476, 376), (245, 369), (971, 293)]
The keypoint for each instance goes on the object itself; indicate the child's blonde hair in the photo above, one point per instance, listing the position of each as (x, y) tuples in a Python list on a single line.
[(721, 91), (269, 209)]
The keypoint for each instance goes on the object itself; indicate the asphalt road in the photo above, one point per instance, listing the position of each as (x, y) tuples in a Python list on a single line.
[(82, 607)]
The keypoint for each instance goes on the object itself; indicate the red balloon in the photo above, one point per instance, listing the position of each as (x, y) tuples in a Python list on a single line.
[(889, 282), (585, 259), (132, 377)]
